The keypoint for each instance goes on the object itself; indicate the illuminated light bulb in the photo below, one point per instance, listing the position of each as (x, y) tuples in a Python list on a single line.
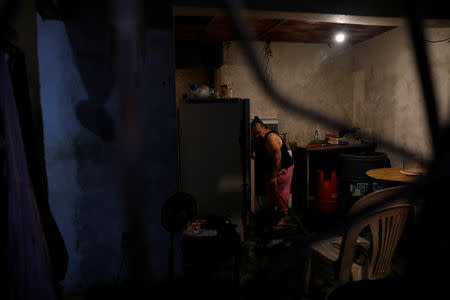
[(340, 37)]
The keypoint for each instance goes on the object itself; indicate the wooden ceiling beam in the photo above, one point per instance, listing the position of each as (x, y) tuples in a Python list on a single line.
[(205, 28), (265, 32)]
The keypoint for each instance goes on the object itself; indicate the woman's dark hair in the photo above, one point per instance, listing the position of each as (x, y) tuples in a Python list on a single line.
[(257, 120)]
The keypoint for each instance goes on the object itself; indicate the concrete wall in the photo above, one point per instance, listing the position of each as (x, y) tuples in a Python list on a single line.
[(387, 92), (373, 85), (76, 66), (314, 75), (82, 193)]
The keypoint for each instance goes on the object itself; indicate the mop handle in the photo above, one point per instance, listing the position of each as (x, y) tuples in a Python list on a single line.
[(289, 210)]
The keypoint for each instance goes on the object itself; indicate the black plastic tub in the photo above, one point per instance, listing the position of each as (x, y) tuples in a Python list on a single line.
[(352, 178)]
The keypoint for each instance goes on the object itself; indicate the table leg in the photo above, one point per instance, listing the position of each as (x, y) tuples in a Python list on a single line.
[(307, 180)]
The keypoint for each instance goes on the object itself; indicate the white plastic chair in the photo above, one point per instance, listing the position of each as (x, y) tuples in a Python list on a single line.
[(356, 256)]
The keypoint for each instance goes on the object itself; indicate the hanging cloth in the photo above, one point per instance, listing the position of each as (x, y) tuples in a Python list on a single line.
[(29, 267), (35, 161)]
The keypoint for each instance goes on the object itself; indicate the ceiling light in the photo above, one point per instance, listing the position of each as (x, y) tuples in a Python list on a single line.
[(340, 37)]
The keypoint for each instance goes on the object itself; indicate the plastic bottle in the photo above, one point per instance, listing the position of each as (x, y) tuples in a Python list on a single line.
[(374, 186), (193, 91), (316, 135), (203, 91), (212, 92)]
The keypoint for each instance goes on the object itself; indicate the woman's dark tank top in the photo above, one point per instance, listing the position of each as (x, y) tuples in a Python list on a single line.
[(267, 160)]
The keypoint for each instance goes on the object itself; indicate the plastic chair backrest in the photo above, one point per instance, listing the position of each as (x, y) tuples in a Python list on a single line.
[(372, 199), (386, 224)]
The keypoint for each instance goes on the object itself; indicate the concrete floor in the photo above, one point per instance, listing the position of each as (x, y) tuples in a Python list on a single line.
[(273, 264), (270, 265)]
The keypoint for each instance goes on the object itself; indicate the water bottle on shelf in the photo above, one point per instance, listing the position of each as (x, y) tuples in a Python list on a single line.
[(316, 135)]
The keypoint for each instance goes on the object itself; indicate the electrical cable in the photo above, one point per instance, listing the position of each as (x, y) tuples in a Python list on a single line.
[(267, 55)]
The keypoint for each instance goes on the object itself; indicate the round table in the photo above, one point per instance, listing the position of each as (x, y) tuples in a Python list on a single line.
[(395, 177), (391, 174)]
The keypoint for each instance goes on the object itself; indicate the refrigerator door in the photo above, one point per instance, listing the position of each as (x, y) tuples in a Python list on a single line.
[(214, 155)]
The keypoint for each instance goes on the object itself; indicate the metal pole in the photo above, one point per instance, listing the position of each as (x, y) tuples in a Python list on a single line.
[(299, 223)]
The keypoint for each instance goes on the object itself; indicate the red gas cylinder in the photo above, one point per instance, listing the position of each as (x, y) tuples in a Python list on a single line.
[(327, 192)]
